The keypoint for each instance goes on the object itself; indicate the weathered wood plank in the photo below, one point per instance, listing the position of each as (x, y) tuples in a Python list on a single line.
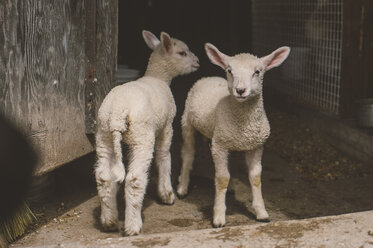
[(42, 72), (90, 73), (368, 49), (107, 47)]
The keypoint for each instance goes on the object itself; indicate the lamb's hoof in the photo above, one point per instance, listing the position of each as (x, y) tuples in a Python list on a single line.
[(218, 222), (132, 231), (168, 198), (109, 222), (182, 192), (266, 220), (218, 225), (262, 216), (110, 227), (182, 196)]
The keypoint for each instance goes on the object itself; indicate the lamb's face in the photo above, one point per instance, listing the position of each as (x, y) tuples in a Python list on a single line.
[(245, 71), (182, 58), (245, 76), (173, 53)]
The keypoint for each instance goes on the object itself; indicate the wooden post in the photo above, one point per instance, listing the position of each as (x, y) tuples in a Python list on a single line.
[(90, 75), (368, 49), (357, 54)]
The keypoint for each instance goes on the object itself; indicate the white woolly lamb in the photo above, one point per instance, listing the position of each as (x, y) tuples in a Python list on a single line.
[(233, 118), (139, 113)]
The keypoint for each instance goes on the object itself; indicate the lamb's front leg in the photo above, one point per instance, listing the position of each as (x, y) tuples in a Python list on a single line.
[(220, 157), (254, 164), (163, 162), (136, 182)]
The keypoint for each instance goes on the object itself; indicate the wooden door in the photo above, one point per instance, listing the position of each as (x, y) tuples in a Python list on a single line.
[(48, 51)]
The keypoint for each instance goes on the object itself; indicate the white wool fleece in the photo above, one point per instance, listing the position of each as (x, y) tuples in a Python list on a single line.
[(144, 105), (230, 112), (237, 126), (140, 114)]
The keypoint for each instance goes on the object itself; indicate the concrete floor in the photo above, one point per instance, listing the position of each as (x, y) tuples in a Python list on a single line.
[(349, 230), (72, 214), (68, 209)]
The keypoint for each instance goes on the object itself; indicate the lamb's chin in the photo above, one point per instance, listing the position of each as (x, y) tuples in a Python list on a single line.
[(241, 99)]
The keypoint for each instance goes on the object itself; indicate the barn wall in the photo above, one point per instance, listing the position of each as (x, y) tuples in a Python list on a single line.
[(42, 72)]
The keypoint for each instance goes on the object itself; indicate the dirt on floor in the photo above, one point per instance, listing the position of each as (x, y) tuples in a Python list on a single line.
[(308, 151), (303, 176)]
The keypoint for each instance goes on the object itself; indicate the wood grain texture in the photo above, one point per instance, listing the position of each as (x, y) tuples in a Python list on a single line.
[(90, 72), (42, 72), (107, 48), (368, 49)]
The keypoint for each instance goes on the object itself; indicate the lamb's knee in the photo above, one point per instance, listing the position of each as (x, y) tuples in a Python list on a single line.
[(221, 183), (102, 173), (256, 180), (255, 176), (135, 185)]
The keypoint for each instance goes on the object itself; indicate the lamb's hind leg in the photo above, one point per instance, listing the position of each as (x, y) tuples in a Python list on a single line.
[(136, 182), (253, 161), (163, 162), (107, 186), (187, 156)]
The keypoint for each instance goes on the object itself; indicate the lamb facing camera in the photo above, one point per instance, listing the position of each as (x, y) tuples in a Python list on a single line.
[(233, 118)]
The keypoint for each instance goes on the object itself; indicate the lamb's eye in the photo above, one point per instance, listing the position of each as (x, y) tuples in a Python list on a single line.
[(182, 53), (229, 71), (257, 72)]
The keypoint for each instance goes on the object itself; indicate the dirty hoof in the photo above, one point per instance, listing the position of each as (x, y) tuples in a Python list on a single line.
[(168, 198), (182, 192), (265, 220), (218, 225), (110, 227), (109, 221), (219, 221), (181, 196), (132, 232)]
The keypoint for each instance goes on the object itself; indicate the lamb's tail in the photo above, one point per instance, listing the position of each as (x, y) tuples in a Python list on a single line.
[(117, 138), (118, 125)]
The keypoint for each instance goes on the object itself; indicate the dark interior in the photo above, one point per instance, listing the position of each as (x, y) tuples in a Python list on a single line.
[(226, 24)]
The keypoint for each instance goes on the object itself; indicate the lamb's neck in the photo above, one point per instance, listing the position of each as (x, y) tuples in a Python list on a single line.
[(161, 70)]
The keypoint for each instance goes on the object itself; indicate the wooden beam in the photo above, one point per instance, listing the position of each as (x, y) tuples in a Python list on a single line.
[(367, 49), (352, 56), (90, 75)]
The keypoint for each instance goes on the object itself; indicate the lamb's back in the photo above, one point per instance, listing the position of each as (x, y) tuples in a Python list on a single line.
[(144, 101)]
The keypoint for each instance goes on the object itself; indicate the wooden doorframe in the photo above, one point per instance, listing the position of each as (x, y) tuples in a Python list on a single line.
[(90, 72), (357, 55)]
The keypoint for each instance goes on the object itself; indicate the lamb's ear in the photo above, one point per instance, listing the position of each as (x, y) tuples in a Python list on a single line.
[(275, 58), (216, 57), (166, 41), (150, 39)]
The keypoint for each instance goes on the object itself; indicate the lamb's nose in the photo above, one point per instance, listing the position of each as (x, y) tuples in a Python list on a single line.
[(240, 91)]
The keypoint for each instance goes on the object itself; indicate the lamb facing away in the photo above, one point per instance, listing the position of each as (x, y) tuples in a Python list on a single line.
[(139, 113), (233, 118)]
